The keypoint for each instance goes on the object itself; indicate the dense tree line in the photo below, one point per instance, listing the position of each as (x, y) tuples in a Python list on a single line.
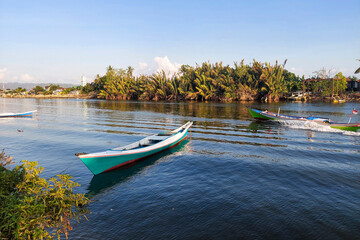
[(214, 82), (205, 82)]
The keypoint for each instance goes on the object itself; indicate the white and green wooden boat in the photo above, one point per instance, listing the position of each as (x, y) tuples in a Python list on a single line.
[(266, 115), (114, 158)]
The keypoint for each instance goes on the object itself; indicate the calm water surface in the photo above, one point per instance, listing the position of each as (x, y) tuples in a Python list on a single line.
[(234, 178)]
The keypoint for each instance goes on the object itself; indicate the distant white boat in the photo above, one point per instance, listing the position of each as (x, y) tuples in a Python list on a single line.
[(23, 114)]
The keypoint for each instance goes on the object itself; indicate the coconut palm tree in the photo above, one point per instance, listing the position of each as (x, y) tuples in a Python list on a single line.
[(126, 88), (130, 71), (156, 87), (174, 88), (205, 88), (272, 77)]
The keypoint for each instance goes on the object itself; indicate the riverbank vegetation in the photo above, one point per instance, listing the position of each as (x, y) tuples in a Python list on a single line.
[(32, 207), (205, 82), (51, 90), (211, 82)]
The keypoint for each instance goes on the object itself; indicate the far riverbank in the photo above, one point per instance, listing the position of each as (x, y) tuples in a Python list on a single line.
[(348, 97), (80, 96)]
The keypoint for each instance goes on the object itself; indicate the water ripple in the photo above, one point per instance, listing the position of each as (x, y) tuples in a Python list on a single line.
[(233, 178)]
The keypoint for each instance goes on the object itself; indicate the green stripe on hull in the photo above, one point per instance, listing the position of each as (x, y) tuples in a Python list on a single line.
[(347, 128), (100, 164), (258, 115)]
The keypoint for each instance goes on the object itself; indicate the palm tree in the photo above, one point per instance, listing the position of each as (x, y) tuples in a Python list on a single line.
[(205, 88), (155, 88), (229, 86), (185, 87), (130, 71), (126, 88), (174, 87), (104, 93), (273, 79)]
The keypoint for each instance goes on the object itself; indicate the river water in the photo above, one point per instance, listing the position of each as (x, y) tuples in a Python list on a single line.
[(233, 178)]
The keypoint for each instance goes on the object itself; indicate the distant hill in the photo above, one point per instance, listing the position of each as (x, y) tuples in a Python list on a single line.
[(28, 86)]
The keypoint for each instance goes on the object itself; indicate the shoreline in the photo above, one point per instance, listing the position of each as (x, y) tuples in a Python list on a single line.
[(81, 96), (353, 97)]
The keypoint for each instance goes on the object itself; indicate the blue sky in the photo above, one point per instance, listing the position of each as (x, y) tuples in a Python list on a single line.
[(59, 41)]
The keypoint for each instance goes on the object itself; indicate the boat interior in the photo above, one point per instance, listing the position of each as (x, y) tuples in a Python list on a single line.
[(151, 140), (148, 141)]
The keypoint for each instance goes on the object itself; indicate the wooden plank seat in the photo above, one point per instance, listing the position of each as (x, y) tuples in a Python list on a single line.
[(158, 138)]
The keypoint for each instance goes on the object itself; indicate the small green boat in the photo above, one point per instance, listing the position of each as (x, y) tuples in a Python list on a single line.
[(114, 158), (266, 115), (354, 127)]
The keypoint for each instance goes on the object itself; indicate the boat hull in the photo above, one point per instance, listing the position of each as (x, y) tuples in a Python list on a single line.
[(24, 114), (258, 115), (100, 164), (346, 127)]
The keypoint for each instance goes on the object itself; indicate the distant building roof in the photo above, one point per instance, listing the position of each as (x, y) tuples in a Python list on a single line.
[(352, 80)]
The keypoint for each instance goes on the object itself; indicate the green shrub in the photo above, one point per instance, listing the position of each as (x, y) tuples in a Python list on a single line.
[(32, 207)]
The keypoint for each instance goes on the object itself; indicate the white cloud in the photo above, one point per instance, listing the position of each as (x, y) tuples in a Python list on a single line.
[(143, 65), (2, 73), (297, 71), (26, 78), (165, 64), (143, 68)]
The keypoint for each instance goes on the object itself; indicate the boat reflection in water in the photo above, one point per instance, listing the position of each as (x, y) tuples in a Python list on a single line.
[(273, 128), (102, 182), (261, 126)]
